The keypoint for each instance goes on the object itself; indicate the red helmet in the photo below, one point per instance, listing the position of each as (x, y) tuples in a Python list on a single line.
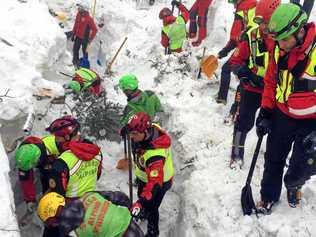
[(165, 12), (139, 122), (265, 8), (66, 125)]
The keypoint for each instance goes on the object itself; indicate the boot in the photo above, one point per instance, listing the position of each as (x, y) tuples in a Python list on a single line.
[(294, 196), (152, 231), (237, 154), (265, 207)]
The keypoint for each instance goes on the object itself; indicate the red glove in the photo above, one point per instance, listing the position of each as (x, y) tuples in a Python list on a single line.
[(136, 209), (196, 43)]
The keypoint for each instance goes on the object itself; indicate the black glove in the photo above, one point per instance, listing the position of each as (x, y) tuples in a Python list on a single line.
[(264, 122), (246, 76), (309, 143), (175, 3), (223, 53), (72, 37)]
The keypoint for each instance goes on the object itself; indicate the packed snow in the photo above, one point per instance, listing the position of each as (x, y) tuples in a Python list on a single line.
[(205, 198)]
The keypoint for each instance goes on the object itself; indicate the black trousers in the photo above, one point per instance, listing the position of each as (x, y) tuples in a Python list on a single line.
[(248, 106), (225, 81), (286, 132), (152, 207), (77, 44)]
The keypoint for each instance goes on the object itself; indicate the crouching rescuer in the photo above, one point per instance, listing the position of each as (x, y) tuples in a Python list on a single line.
[(94, 214), (153, 168)]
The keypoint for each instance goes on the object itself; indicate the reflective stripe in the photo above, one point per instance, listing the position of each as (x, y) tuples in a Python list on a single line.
[(75, 167), (302, 112), (286, 80), (253, 41)]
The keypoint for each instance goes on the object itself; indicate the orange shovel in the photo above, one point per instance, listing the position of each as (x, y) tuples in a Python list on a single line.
[(209, 66)]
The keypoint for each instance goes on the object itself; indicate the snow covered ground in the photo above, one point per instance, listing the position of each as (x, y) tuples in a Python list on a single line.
[(205, 198)]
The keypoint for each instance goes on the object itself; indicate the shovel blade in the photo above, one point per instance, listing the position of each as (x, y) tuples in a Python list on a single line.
[(247, 202), (209, 66), (122, 164)]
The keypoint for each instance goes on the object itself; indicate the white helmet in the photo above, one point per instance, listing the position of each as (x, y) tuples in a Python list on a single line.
[(83, 4)]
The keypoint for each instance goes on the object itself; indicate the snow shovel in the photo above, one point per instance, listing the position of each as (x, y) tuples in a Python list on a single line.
[(122, 164), (209, 66), (108, 69), (247, 202)]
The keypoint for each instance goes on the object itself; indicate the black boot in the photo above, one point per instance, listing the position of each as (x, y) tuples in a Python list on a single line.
[(294, 196), (152, 231), (237, 154)]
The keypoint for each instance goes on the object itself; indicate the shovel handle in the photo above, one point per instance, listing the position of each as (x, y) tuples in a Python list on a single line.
[(117, 52), (254, 160)]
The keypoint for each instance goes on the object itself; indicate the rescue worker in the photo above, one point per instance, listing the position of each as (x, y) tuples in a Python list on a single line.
[(173, 31), (94, 214), (34, 152), (83, 32), (288, 112), (137, 100), (244, 14), (249, 62), (86, 80), (79, 166), (153, 168), (77, 169), (199, 10)]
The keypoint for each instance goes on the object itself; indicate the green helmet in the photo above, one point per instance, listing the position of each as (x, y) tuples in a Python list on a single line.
[(286, 20), (27, 156), (75, 86), (128, 82), (232, 1)]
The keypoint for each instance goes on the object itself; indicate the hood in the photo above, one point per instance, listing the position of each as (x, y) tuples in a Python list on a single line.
[(160, 138), (298, 53), (246, 5), (168, 20), (84, 151)]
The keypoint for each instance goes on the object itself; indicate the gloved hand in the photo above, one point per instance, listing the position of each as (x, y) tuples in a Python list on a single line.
[(264, 122), (72, 37), (30, 207), (175, 3), (222, 54), (136, 210), (309, 143), (196, 43)]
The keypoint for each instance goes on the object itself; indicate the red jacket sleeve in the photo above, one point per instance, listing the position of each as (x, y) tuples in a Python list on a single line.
[(93, 27), (268, 96), (76, 25), (240, 55), (155, 175), (164, 40), (236, 30), (184, 12), (27, 185)]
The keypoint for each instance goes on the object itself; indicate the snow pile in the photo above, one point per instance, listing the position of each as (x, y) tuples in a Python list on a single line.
[(37, 41)]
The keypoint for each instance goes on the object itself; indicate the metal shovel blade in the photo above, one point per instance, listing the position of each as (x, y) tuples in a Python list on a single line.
[(247, 202)]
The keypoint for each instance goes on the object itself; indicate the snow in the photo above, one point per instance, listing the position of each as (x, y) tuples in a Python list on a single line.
[(205, 198)]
